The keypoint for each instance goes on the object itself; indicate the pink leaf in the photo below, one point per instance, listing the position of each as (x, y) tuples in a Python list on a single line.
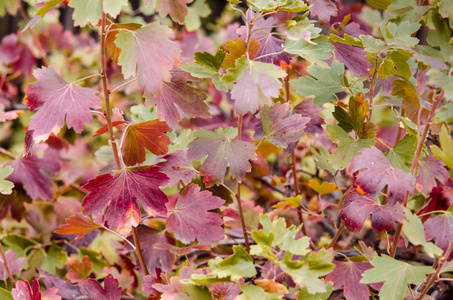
[(357, 208), (323, 9), (376, 172), (309, 110), (23, 291), (177, 99), (27, 171), (440, 228), (348, 274), (224, 290), (279, 126), (9, 50), (154, 257), (58, 100), (177, 9), (93, 290), (178, 168), (222, 150), (354, 58), (15, 265), (121, 192), (430, 169), (149, 54), (190, 218)]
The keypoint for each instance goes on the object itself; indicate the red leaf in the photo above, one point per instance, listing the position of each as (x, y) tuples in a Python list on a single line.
[(440, 198), (78, 224), (78, 270), (178, 168), (121, 192), (23, 291), (104, 128), (348, 274), (440, 228), (58, 100), (430, 169), (354, 58), (376, 172), (189, 218), (177, 99), (154, 257), (323, 9), (94, 290), (27, 171), (149, 135), (357, 208)]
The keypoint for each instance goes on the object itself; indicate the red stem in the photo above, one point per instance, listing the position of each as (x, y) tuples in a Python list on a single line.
[(5, 263)]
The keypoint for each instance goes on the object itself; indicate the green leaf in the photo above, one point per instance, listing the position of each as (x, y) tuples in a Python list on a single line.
[(236, 266), (400, 35), (347, 147), (212, 62), (347, 39), (306, 271), (323, 160), (326, 82), (397, 275), (442, 80), (108, 244), (55, 259), (18, 244), (399, 59), (415, 233), (47, 6), (199, 9), (5, 295), (379, 4), (284, 5), (253, 292), (305, 295), (198, 292), (372, 44), (402, 154), (315, 53), (6, 186), (444, 114), (446, 154), (90, 11), (406, 10)]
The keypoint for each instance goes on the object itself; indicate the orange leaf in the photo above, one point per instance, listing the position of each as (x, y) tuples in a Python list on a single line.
[(78, 224)]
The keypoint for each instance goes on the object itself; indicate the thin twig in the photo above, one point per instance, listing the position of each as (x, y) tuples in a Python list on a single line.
[(414, 164), (122, 85), (86, 77), (373, 78), (122, 237), (5, 263), (7, 153)]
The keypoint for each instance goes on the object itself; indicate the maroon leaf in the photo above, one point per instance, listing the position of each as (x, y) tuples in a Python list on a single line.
[(58, 100), (121, 192), (309, 110), (376, 172), (93, 290), (440, 198), (190, 219), (145, 135), (430, 169), (357, 208), (280, 127), (354, 58), (348, 274), (154, 257), (440, 228), (178, 168), (27, 171), (323, 9), (177, 99), (15, 265)]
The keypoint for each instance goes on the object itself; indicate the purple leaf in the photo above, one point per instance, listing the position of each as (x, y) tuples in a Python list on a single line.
[(440, 228), (224, 290), (93, 290), (154, 257), (278, 126), (309, 110), (121, 192), (376, 172), (177, 99), (58, 101), (430, 169), (190, 219), (357, 208), (323, 9), (354, 58), (65, 289), (348, 274), (15, 265), (178, 168)]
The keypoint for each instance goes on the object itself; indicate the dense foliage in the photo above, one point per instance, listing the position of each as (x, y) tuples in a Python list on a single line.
[(194, 149)]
